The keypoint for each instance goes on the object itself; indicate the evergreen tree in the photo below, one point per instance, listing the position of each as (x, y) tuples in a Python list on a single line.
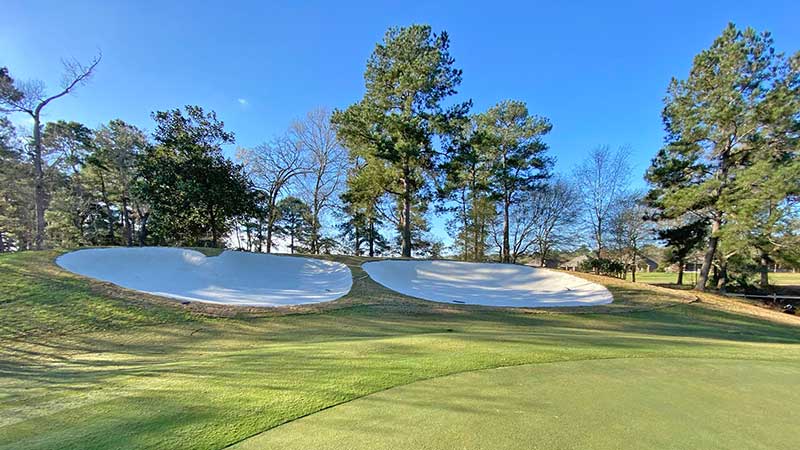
[(466, 186), (16, 192), (682, 240), (408, 78), (117, 146), (518, 157), (718, 121), (294, 223)]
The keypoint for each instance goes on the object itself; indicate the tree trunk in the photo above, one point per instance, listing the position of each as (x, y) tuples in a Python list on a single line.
[(680, 272), (476, 243), (291, 243), (126, 220), (260, 233), (764, 269), (109, 213), (143, 229), (406, 222), (371, 238), (213, 226), (357, 236), (270, 224), (506, 253), (708, 259), (633, 269), (598, 235), (722, 283), (38, 173)]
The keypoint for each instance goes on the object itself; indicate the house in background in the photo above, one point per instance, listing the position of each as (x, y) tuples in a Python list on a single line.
[(574, 263), (550, 263), (646, 264)]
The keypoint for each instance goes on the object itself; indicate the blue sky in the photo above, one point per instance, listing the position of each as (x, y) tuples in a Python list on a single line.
[(598, 71)]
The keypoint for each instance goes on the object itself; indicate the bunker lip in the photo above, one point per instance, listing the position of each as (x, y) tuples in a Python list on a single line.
[(486, 284), (232, 278)]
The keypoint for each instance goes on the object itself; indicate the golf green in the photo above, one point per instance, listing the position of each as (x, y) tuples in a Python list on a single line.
[(641, 403)]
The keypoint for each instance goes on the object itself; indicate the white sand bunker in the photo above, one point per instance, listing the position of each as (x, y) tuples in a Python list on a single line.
[(232, 278), (486, 284)]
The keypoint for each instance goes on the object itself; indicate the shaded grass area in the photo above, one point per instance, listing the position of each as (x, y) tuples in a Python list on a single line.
[(37, 297), (601, 404), (188, 380)]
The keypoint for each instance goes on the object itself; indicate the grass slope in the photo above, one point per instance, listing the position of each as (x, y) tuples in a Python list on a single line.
[(84, 365)]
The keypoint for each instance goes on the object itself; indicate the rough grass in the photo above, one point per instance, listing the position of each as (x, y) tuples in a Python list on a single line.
[(85, 365)]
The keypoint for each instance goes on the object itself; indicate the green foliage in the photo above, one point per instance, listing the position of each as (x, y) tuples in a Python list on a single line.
[(732, 130), (16, 192), (192, 189), (683, 239), (604, 266), (408, 77), (294, 223)]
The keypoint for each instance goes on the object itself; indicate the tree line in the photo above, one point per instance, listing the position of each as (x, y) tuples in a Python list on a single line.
[(366, 179)]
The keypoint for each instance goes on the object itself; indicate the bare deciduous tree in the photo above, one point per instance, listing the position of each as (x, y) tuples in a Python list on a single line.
[(631, 230), (540, 220), (272, 166), (601, 181), (30, 98), (326, 161), (553, 211)]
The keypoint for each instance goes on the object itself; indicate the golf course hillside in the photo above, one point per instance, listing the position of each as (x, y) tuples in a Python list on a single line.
[(88, 365)]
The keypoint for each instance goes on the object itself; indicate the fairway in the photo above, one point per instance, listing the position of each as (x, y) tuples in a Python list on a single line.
[(602, 404), (689, 278)]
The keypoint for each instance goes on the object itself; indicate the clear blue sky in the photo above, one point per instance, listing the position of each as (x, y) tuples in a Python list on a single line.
[(598, 71)]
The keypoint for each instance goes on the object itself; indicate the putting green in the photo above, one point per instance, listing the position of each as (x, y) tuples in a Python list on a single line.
[(647, 403)]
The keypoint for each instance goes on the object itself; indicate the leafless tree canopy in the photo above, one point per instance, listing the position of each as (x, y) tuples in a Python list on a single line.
[(602, 181), (326, 163), (542, 220), (272, 167), (31, 96)]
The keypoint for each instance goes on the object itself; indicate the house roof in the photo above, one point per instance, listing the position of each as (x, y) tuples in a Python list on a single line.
[(576, 261)]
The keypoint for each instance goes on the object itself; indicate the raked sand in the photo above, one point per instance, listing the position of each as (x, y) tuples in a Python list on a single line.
[(486, 284), (232, 278)]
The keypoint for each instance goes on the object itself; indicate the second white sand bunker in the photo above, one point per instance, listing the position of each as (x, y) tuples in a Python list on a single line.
[(507, 285)]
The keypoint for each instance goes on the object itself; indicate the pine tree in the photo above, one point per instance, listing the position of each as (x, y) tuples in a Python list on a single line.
[(717, 121), (409, 76), (518, 155)]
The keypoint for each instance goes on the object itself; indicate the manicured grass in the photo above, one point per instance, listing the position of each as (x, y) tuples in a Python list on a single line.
[(785, 279), (151, 373), (777, 279), (662, 278), (616, 404)]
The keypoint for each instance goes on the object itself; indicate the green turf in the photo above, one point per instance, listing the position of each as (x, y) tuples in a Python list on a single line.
[(96, 367), (689, 278), (616, 404)]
